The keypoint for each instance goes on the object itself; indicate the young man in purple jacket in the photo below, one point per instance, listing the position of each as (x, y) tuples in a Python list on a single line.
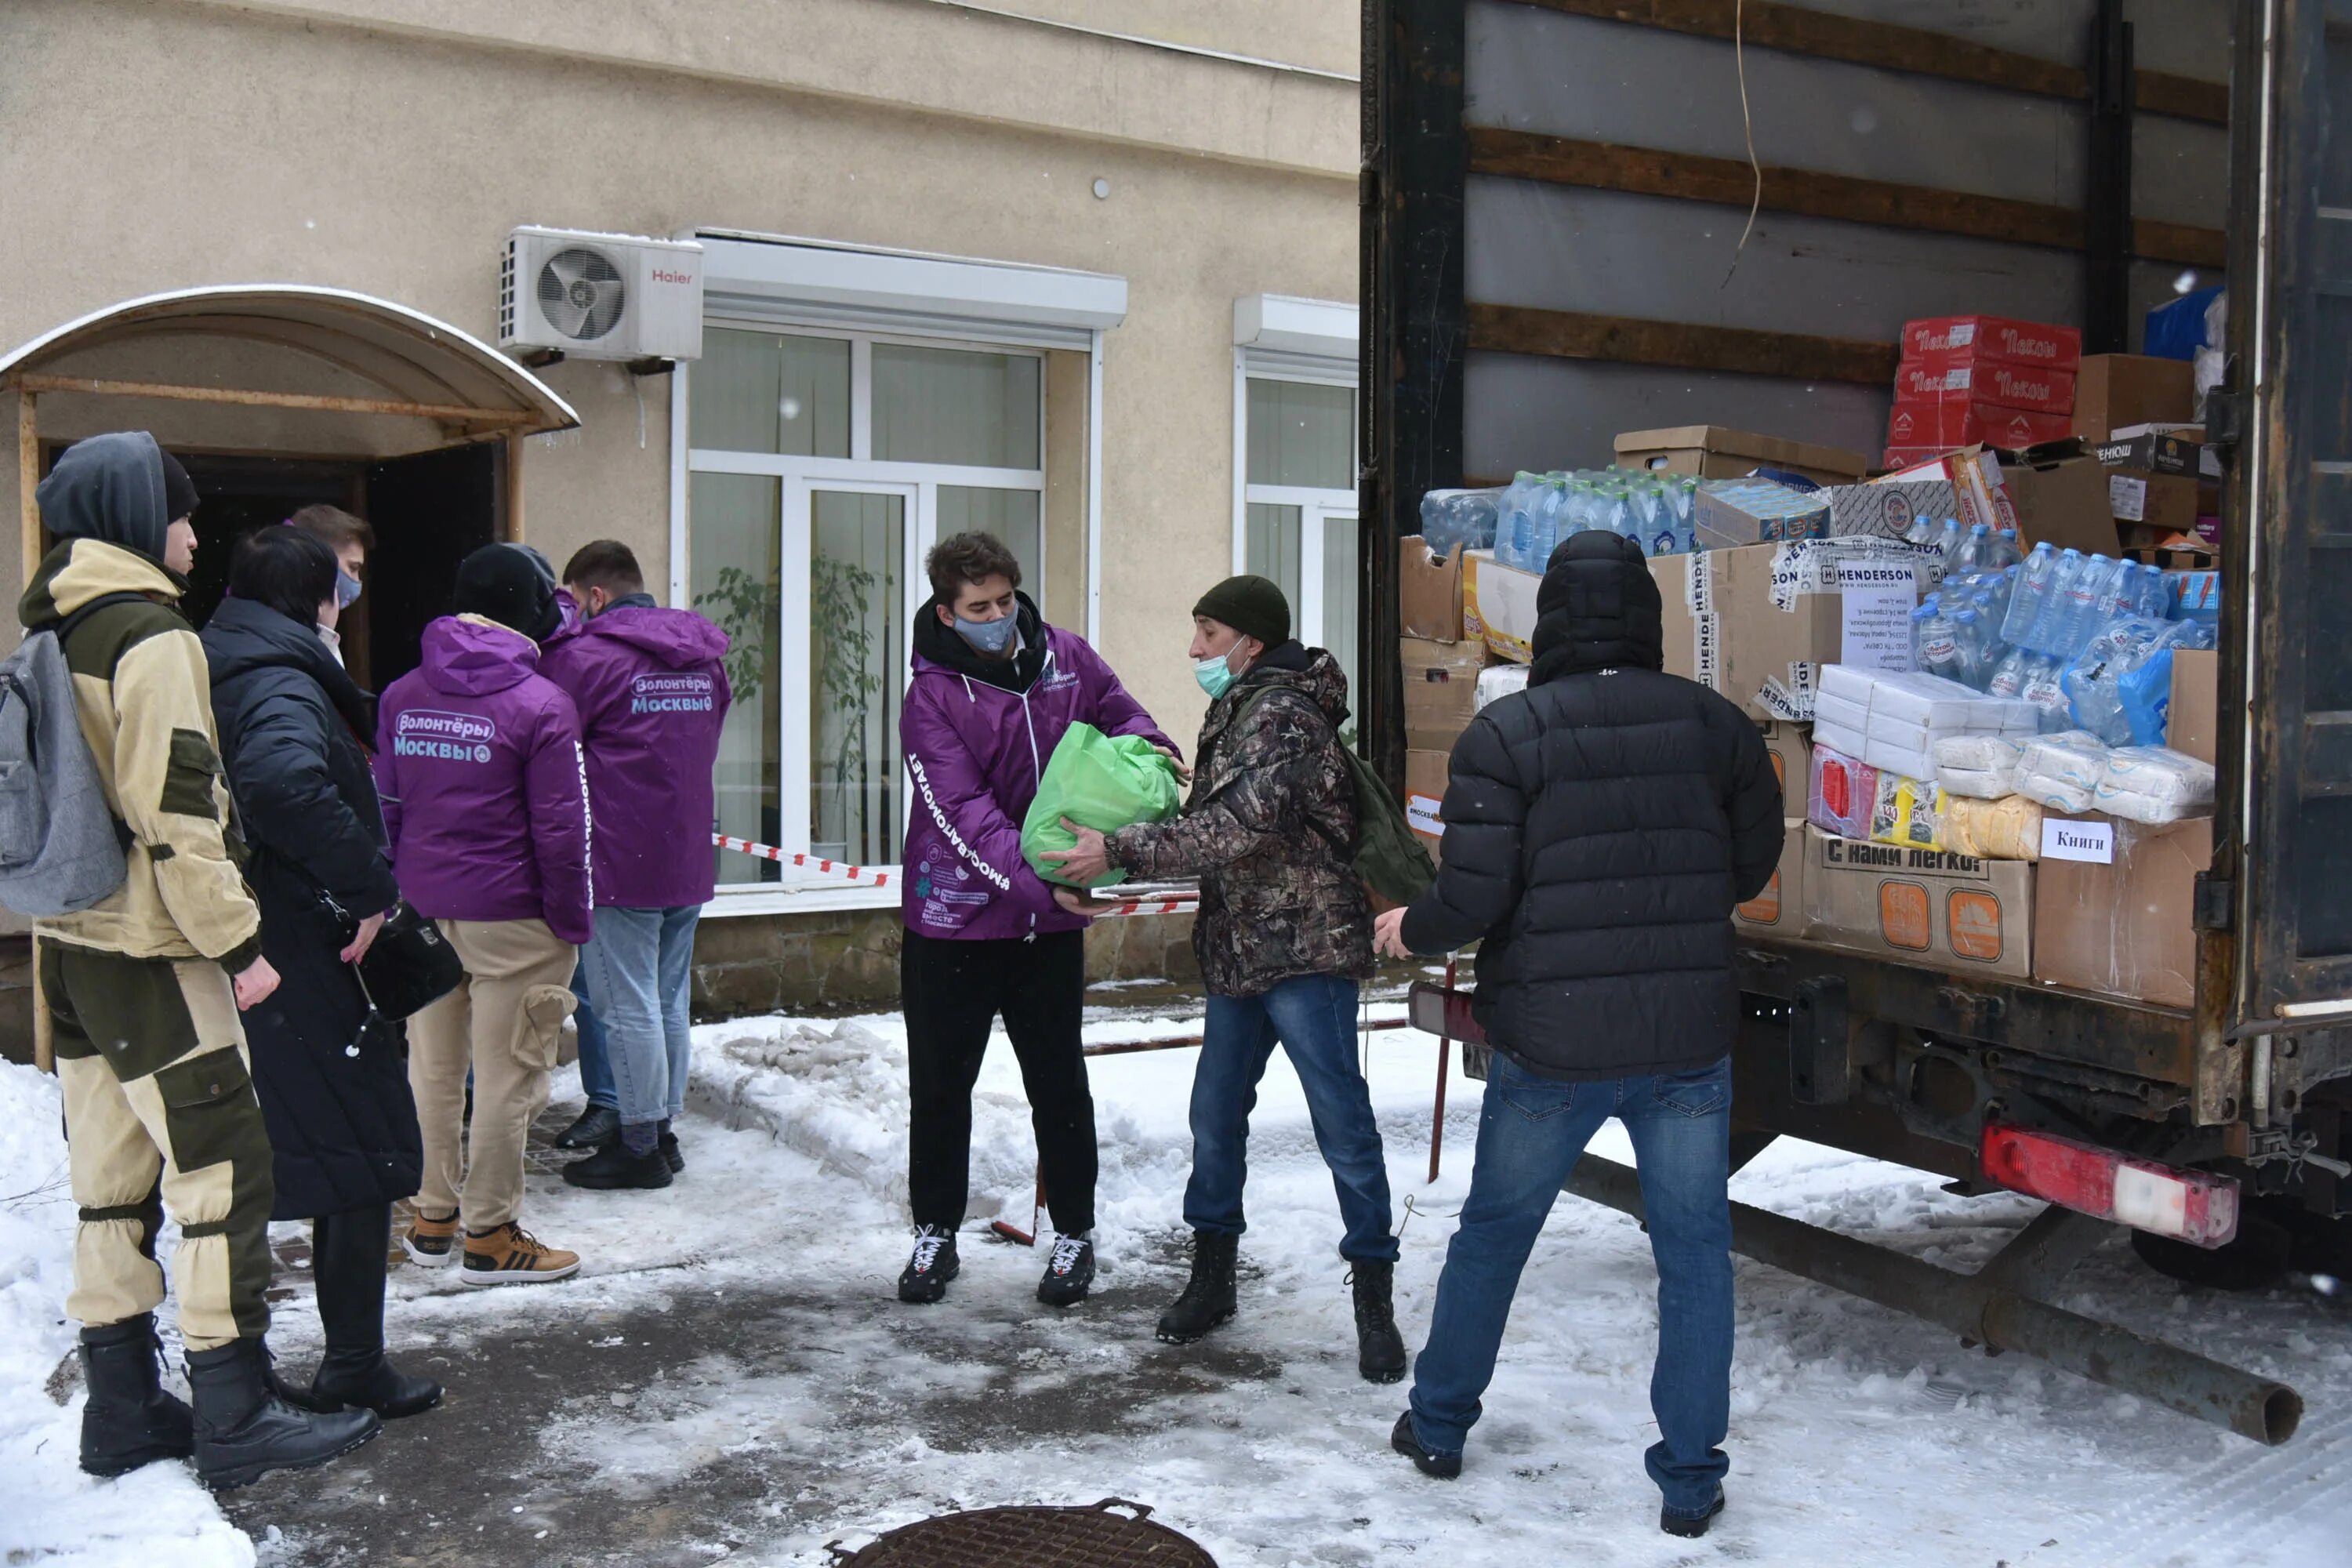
[(994, 688), (486, 803), (652, 693)]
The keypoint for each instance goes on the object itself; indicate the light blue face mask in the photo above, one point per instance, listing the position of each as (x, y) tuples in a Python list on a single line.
[(991, 637), (1215, 676), (347, 590)]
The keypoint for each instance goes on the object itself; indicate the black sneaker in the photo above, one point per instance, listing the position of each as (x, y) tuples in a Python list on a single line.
[(613, 1168), (1068, 1272), (1690, 1526), (934, 1263), (670, 1149), (1445, 1467), (598, 1125)]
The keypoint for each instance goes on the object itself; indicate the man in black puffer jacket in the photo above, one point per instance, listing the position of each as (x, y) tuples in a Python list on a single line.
[(1600, 827)]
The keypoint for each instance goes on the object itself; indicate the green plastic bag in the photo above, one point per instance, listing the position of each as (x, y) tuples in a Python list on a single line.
[(1098, 781)]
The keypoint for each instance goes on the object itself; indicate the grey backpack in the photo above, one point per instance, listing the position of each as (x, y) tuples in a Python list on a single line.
[(61, 849)]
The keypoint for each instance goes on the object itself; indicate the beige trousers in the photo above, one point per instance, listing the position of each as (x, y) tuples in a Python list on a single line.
[(160, 1112), (504, 1023)]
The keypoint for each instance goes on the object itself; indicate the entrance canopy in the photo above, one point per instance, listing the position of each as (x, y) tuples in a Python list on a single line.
[(379, 358)]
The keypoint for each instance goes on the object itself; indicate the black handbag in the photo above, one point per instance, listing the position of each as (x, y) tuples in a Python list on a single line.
[(409, 966)]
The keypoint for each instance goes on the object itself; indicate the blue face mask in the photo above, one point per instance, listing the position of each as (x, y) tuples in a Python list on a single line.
[(990, 637), (1215, 676), (347, 590)]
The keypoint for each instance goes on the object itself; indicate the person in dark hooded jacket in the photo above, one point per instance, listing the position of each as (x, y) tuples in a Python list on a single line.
[(1600, 827), (1284, 936), (333, 1077)]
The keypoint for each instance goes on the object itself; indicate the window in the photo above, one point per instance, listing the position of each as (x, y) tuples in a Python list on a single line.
[(821, 467), (1299, 521)]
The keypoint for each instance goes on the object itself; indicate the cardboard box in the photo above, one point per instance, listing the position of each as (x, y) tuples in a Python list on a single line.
[(2209, 459), (1428, 591), (1425, 774), (1498, 605), (1728, 513), (1779, 909), (1441, 690), (1885, 509), (1793, 759), (2027, 386), (1973, 340), (1926, 907), (2123, 929), (1757, 623), (2113, 391), (1975, 475), (2152, 452), (2193, 720), (2061, 497), (1958, 421), (2164, 502), (1713, 452)]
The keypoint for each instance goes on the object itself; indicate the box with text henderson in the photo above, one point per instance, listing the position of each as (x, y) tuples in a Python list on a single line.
[(1926, 907)]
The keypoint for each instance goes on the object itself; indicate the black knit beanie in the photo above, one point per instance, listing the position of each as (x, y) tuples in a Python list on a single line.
[(510, 586), (1252, 606), (179, 490)]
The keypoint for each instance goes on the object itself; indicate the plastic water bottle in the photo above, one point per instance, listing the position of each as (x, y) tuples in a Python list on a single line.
[(1922, 531), (1949, 541), (1970, 555), (1968, 648), (1939, 645), (1546, 515), (2052, 712), (1514, 530), (1686, 512), (1928, 610), (2050, 622), (2008, 677), (2005, 543), (2029, 594), (2087, 604), (1614, 514), (2154, 600)]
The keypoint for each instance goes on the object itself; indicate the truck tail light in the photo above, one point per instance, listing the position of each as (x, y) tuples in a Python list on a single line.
[(2187, 1205)]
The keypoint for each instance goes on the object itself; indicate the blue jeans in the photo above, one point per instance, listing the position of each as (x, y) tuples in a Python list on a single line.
[(640, 971), (1314, 1018), (595, 1065), (1530, 1134)]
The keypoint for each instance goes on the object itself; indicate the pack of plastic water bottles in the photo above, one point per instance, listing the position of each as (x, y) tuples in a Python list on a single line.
[(1536, 511)]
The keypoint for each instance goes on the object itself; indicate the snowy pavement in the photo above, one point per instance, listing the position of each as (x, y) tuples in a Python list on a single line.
[(731, 1378)]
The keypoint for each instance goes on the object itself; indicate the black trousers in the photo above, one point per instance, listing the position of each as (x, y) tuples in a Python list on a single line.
[(951, 993)]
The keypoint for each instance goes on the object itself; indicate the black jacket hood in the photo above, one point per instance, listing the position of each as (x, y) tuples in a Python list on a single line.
[(945, 646), (110, 488), (1599, 609), (243, 637)]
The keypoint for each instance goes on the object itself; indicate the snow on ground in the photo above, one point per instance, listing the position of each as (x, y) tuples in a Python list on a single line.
[(766, 1386)]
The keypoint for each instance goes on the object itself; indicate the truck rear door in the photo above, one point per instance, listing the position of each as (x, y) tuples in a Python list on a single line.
[(2288, 637)]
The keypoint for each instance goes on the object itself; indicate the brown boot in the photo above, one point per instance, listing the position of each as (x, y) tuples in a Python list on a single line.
[(510, 1255), (432, 1242)]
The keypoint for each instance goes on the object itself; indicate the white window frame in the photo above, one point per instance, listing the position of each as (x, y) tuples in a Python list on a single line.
[(1318, 506), (807, 889)]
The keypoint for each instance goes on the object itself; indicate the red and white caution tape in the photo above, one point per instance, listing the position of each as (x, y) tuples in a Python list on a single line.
[(858, 874), (1159, 904)]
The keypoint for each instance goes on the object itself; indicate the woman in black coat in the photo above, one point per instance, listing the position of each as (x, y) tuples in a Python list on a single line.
[(333, 1077)]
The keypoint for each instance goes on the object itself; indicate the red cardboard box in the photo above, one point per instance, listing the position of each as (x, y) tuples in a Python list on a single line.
[(2003, 386), (1971, 340), (1960, 422)]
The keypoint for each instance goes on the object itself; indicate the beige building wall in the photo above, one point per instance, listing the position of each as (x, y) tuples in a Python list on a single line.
[(388, 147)]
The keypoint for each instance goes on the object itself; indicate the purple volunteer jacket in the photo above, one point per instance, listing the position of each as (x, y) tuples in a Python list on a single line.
[(976, 736), (652, 694), (485, 791)]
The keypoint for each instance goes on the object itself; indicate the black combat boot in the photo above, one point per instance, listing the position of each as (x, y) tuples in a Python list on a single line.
[(598, 1126), (348, 1254), (670, 1150), (1380, 1349), (1690, 1526), (244, 1432), (1208, 1298), (129, 1420)]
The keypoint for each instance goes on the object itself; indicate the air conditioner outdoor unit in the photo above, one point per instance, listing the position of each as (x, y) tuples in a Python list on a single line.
[(601, 296)]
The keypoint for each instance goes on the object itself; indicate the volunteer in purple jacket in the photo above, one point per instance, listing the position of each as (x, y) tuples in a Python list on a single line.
[(485, 804), (652, 693), (993, 690)]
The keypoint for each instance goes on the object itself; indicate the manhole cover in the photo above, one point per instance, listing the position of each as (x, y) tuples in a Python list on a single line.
[(1034, 1538)]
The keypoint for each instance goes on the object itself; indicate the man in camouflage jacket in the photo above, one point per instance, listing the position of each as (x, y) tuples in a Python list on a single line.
[(1284, 935)]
